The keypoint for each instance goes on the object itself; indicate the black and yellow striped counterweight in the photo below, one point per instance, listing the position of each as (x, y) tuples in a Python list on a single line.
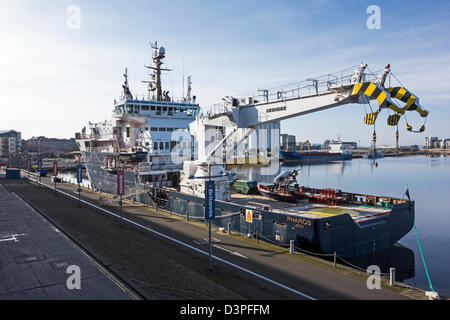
[(383, 96)]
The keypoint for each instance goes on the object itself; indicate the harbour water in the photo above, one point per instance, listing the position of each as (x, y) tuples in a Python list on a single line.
[(428, 179)]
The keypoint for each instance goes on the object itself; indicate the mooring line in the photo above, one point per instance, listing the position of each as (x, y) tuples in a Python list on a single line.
[(423, 259)]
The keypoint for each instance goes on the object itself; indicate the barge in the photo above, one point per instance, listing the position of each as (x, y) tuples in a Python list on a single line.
[(358, 224)]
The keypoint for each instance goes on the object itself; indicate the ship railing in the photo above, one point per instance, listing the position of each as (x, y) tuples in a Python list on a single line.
[(160, 183), (144, 166), (309, 87), (83, 136), (102, 149), (166, 166), (214, 110), (106, 136)]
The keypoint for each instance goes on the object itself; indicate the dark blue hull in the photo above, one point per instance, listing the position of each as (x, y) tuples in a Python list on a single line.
[(292, 158)]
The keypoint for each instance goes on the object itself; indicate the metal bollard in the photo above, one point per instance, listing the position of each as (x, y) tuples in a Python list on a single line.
[(334, 259), (291, 247), (392, 276), (257, 237), (187, 215), (229, 228)]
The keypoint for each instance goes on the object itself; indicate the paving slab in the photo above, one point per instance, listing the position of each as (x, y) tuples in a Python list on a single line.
[(34, 257)]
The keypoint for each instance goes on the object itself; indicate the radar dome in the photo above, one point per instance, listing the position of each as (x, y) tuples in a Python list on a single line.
[(162, 50)]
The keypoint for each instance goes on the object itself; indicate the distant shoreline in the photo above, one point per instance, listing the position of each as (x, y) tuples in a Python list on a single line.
[(393, 153)]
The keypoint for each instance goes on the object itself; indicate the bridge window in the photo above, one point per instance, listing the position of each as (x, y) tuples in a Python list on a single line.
[(162, 129), (192, 112), (161, 145), (155, 145), (167, 145), (153, 129), (145, 108), (158, 110)]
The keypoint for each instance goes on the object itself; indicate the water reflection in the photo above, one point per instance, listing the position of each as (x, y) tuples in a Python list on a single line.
[(398, 256)]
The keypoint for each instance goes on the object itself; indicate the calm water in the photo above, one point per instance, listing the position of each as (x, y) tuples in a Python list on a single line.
[(428, 179)]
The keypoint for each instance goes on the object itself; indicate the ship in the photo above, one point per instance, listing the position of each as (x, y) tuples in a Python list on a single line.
[(324, 221), (144, 137), (284, 188), (335, 152), (288, 157), (239, 140)]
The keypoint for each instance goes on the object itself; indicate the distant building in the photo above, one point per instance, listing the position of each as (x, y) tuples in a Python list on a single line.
[(287, 142), (436, 143), (444, 143), (10, 143), (431, 142), (343, 144), (49, 145)]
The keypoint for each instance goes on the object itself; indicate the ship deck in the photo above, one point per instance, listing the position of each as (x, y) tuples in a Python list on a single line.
[(304, 208)]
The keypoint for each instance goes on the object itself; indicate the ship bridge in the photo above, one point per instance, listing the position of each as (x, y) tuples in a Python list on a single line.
[(153, 108)]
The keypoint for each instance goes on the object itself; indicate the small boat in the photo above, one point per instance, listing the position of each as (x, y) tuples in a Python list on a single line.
[(284, 187), (282, 194)]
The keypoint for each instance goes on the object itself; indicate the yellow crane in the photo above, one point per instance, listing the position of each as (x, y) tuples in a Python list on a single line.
[(305, 143)]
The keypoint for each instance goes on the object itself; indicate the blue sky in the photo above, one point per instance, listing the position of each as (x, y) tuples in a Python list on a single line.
[(54, 80)]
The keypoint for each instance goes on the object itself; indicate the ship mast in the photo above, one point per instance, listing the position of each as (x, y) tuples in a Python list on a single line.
[(158, 55), (189, 83), (126, 93)]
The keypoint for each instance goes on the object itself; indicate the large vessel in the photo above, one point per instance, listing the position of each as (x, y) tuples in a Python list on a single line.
[(241, 139), (335, 152), (145, 137)]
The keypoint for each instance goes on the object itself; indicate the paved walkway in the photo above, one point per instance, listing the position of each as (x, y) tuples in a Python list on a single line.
[(152, 260), (34, 258)]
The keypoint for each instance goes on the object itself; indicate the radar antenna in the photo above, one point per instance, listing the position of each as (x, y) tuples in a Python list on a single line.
[(126, 93), (158, 54), (189, 89)]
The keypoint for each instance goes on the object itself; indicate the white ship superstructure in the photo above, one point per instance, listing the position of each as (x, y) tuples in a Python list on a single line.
[(145, 137)]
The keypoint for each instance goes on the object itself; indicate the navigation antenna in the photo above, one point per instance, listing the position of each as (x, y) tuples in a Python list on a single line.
[(126, 94), (155, 84), (189, 88)]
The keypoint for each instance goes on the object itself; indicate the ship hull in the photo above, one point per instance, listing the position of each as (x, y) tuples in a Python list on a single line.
[(340, 234), (293, 158), (102, 179)]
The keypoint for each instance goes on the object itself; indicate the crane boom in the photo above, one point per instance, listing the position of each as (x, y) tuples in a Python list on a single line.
[(218, 131)]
